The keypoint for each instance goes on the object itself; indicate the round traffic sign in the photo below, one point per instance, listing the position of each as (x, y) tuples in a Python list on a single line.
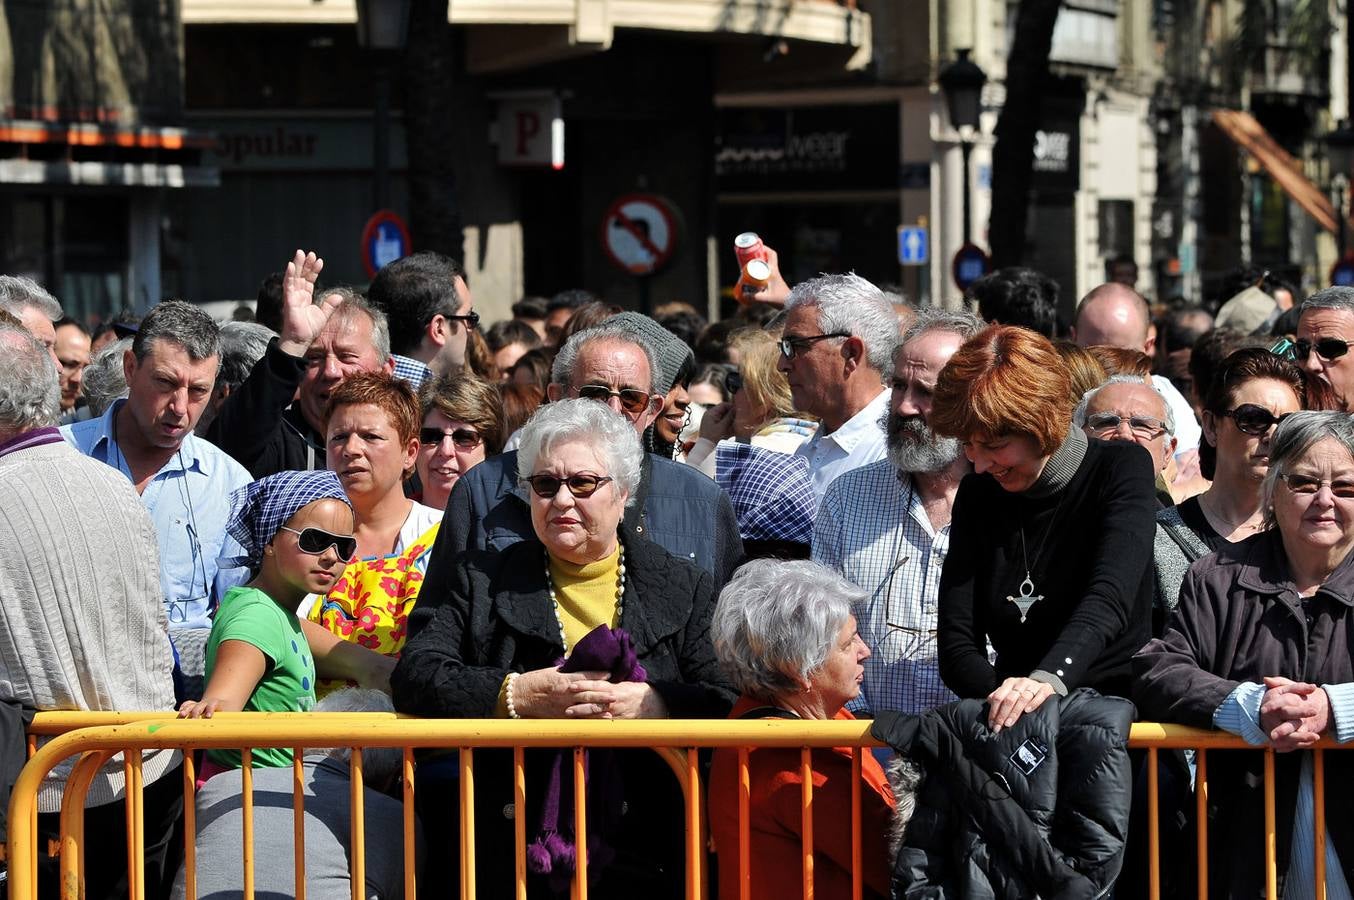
[(385, 238), (971, 262), (639, 233), (1342, 273)]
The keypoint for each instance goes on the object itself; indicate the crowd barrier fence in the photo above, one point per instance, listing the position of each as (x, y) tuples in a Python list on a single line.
[(98, 737)]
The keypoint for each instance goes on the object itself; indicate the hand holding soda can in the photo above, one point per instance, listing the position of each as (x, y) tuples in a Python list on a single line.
[(758, 276)]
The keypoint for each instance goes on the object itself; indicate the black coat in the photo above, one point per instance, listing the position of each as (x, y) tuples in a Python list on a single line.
[(1040, 808), (496, 618), (1240, 619), (260, 426)]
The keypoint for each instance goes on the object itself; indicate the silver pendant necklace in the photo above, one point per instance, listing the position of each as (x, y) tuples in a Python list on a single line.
[(1026, 597), (554, 601)]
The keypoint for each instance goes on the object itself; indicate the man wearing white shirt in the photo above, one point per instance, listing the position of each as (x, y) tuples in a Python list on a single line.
[(840, 334), (886, 526)]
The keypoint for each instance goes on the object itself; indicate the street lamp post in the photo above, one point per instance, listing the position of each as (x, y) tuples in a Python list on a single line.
[(1340, 154), (962, 83), (382, 31)]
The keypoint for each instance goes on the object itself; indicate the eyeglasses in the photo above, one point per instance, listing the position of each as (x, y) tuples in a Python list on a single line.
[(580, 485), (633, 400), (316, 540), (1327, 348), (1146, 427), (1254, 420), (471, 319), (1306, 485), (734, 382), (463, 438), (789, 346)]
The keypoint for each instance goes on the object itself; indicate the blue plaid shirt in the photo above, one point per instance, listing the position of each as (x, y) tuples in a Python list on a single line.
[(411, 370), (771, 492), (873, 530)]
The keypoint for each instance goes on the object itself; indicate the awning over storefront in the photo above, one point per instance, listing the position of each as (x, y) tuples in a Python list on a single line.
[(1286, 171), (38, 152)]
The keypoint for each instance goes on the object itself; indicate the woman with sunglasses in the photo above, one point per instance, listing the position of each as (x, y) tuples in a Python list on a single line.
[(462, 424), (372, 442), (297, 531), (527, 633), (1252, 391), (1260, 645)]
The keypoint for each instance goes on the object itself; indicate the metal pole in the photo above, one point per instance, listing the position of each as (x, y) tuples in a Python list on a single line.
[(380, 138), (966, 148)]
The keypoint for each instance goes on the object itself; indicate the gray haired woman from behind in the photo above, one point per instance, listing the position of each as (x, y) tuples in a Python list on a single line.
[(784, 633)]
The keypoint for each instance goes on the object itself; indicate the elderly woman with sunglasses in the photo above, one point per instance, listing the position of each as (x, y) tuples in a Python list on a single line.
[(1251, 392), (462, 424), (1260, 645), (528, 633)]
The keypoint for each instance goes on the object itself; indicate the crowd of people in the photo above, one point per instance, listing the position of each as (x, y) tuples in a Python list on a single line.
[(989, 530)]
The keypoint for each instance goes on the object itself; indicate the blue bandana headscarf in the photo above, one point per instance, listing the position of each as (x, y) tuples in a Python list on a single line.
[(260, 508)]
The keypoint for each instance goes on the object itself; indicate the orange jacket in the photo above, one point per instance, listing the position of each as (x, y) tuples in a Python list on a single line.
[(776, 819)]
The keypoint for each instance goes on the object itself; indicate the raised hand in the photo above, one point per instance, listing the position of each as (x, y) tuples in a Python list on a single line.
[(302, 319)]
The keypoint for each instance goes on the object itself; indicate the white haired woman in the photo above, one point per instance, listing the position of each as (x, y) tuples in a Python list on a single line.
[(785, 634), (1260, 645), (520, 634)]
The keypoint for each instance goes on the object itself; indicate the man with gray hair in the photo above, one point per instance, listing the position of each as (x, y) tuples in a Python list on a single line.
[(242, 346), (1325, 334), (274, 421), (83, 628), (886, 526), (1130, 408), (676, 506), (30, 303), (185, 482), (837, 345)]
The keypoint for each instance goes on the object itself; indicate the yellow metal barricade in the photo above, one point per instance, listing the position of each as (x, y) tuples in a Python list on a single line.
[(97, 737)]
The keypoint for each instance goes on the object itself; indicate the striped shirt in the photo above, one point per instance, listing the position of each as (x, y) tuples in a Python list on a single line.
[(872, 528)]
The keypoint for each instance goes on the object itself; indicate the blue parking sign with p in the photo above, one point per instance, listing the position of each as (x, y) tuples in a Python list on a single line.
[(913, 249)]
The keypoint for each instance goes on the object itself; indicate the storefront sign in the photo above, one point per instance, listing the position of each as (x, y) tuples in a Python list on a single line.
[(817, 147), (530, 132), (288, 143)]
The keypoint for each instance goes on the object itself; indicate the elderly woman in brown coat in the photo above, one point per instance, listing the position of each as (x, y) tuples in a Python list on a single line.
[(1260, 645)]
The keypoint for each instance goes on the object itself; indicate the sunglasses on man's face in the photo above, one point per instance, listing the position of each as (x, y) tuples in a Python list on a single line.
[(1254, 420), (316, 540), (1327, 348), (463, 438), (1145, 427), (471, 319), (580, 485), (633, 400)]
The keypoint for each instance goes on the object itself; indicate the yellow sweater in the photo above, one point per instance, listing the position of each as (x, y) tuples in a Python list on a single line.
[(585, 597)]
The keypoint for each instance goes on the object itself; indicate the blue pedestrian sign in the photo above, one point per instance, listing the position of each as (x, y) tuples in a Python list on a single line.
[(970, 264), (913, 246), (385, 238)]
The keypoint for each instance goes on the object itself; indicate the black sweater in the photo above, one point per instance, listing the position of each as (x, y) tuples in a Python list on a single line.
[(261, 427), (1093, 571)]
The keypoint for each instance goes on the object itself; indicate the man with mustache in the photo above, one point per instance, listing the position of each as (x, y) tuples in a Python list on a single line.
[(886, 525)]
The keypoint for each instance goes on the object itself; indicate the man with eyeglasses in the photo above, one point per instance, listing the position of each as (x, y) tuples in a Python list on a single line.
[(274, 421), (838, 342), (886, 526), (427, 302), (678, 508), (1325, 334), (1127, 408)]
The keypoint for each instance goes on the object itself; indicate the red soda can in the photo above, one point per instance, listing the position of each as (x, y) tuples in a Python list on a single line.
[(748, 246)]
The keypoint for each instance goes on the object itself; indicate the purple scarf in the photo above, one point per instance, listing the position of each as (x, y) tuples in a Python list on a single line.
[(553, 850)]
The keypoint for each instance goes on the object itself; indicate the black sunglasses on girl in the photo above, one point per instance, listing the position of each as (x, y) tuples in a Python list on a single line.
[(1254, 420), (316, 540), (463, 438)]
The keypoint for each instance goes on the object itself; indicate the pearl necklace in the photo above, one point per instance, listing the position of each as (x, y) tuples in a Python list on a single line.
[(554, 601)]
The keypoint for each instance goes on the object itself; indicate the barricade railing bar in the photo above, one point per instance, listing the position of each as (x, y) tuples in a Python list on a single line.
[(96, 738)]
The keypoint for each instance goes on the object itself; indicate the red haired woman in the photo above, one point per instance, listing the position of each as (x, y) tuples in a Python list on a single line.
[(1051, 537)]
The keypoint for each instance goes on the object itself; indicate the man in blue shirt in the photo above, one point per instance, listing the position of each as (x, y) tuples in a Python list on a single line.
[(184, 481)]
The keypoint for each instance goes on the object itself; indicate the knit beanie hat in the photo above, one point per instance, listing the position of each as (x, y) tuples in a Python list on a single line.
[(670, 351)]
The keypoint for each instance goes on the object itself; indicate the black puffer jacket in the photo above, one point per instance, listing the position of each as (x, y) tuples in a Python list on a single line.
[(1040, 808)]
